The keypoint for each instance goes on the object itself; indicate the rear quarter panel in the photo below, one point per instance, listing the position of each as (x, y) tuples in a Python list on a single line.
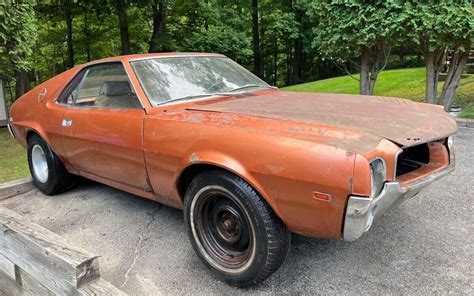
[(35, 112)]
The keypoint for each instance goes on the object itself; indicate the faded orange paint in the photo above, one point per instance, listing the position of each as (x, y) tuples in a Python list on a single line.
[(285, 145)]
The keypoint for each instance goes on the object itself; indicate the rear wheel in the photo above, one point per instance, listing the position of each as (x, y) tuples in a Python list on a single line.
[(233, 230), (49, 174)]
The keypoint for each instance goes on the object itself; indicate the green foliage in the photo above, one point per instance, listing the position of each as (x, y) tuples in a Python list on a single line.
[(433, 25), (221, 39), (18, 30), (211, 26), (298, 37), (344, 27)]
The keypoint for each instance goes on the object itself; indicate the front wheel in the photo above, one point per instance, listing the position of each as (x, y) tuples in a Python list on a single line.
[(233, 230)]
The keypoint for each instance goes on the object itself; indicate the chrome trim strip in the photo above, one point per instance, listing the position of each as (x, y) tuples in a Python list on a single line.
[(10, 130), (361, 212), (86, 69), (175, 56), (420, 184)]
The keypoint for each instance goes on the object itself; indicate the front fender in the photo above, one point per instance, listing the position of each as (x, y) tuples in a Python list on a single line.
[(226, 162)]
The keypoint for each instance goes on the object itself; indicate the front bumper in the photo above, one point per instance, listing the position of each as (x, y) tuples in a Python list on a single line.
[(361, 212)]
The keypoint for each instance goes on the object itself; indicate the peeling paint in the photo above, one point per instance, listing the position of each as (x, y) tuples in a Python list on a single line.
[(194, 157), (352, 115)]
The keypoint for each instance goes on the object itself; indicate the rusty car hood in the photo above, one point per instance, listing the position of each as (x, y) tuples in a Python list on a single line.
[(401, 121)]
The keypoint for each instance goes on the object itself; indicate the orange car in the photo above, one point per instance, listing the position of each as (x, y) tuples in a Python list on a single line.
[(248, 163)]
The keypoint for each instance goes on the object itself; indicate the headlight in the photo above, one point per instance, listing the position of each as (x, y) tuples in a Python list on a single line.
[(377, 176)]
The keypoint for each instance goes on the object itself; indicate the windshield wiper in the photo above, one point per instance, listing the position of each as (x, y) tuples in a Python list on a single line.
[(229, 93), (190, 97), (251, 86)]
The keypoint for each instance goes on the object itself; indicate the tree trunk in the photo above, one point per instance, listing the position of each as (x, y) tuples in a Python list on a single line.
[(298, 63), (22, 85), (158, 25), (379, 59), (372, 80), (257, 56), (431, 81), (434, 63), (455, 70), (298, 45), (22, 81), (70, 50), (275, 62), (364, 84), (86, 34), (288, 62), (123, 24)]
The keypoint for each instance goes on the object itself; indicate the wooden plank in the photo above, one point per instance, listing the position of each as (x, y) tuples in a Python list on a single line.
[(30, 286), (8, 285), (55, 263), (100, 287), (7, 267)]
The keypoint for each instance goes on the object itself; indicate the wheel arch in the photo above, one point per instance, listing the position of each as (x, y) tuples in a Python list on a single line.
[(24, 130), (30, 133), (194, 168)]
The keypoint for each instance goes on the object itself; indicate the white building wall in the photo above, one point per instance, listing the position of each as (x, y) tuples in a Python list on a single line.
[(3, 106)]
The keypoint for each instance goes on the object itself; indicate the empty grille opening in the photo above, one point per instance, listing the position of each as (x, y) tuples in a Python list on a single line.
[(412, 158)]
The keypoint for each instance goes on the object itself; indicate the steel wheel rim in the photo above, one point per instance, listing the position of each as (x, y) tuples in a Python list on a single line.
[(222, 229), (40, 164)]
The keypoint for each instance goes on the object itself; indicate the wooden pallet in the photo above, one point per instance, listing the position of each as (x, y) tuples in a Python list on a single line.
[(36, 261)]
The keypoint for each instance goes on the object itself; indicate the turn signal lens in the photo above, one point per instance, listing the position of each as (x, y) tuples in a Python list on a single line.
[(322, 196)]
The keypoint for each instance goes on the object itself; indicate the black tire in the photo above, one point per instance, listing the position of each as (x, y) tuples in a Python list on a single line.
[(58, 179), (233, 230)]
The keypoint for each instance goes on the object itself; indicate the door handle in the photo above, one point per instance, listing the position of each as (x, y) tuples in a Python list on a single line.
[(67, 122)]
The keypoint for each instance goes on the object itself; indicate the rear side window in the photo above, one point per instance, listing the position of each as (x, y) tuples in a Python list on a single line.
[(105, 86)]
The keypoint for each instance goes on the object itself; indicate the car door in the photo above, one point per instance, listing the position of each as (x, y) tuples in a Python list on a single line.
[(102, 127)]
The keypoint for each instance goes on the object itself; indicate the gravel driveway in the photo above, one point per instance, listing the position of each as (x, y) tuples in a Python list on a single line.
[(424, 246)]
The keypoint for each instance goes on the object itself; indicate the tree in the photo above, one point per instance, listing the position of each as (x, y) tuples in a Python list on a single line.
[(69, 18), (210, 26), (281, 31), (257, 56), (357, 29), (17, 36), (121, 10), (435, 28), (458, 61), (159, 21)]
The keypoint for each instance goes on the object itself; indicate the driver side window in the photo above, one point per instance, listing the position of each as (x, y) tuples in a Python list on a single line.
[(103, 86)]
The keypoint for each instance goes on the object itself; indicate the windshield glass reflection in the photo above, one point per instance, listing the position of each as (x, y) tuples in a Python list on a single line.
[(173, 78)]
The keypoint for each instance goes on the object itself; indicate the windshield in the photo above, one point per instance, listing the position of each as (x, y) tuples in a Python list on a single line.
[(181, 78)]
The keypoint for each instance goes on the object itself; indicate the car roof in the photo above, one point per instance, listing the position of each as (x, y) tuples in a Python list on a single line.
[(132, 57)]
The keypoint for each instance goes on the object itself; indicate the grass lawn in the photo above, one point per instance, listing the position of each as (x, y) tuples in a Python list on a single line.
[(13, 163), (404, 83), (468, 112)]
